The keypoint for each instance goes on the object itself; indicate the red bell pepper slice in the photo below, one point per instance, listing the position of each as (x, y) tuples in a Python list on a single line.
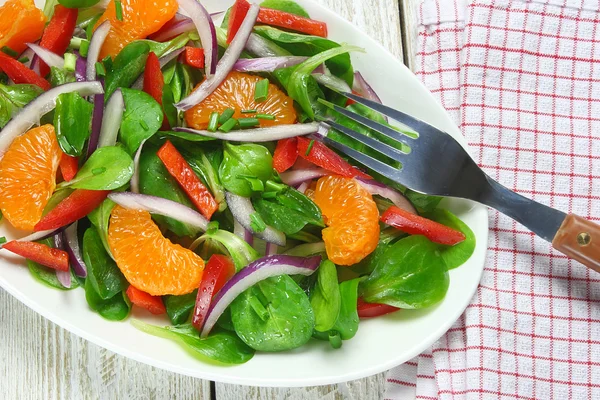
[(370, 310), (417, 225), (58, 33), (142, 299), (324, 157), (293, 22), (40, 253), (69, 166), (187, 179), (76, 206), (236, 17), (286, 154), (154, 83), (194, 57), (219, 269), (19, 73)]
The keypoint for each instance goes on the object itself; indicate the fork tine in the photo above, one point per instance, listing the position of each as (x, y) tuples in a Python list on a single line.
[(376, 126), (368, 161), (399, 116), (375, 144)]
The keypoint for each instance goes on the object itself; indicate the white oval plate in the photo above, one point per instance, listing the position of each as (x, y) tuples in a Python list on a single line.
[(380, 343)]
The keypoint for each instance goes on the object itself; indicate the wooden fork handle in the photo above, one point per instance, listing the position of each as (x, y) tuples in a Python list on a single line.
[(579, 239)]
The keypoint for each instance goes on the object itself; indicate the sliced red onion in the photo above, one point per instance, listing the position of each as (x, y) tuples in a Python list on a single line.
[(94, 50), (298, 176), (181, 25), (267, 64), (242, 232), (259, 134), (242, 209), (303, 186), (30, 114), (232, 54), (111, 120), (249, 276), (332, 81), (364, 89), (261, 47), (38, 235), (64, 277), (271, 249), (134, 183), (50, 58), (72, 247), (29, 54), (387, 192), (97, 118), (139, 82), (206, 29), (307, 249), (160, 206), (80, 68)]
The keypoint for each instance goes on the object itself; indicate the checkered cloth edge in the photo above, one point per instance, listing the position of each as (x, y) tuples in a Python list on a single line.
[(522, 81)]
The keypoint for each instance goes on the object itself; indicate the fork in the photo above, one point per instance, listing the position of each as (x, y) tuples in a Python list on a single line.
[(437, 164)]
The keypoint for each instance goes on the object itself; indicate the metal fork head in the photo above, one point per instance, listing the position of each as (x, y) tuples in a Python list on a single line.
[(436, 163)]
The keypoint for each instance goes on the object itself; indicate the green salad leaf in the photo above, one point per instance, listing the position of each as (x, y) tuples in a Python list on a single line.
[(78, 3), (347, 321), (162, 48), (287, 6), (108, 168), (47, 276), (114, 309), (410, 274), (103, 274), (221, 346), (242, 163), (127, 66), (325, 298), (205, 163), (273, 315), (457, 255), (60, 76), (100, 218), (72, 122), (179, 308), (14, 97), (142, 118), (240, 251)]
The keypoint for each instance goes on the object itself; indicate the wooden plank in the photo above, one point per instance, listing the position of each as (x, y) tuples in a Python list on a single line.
[(379, 19), (409, 11), (43, 361)]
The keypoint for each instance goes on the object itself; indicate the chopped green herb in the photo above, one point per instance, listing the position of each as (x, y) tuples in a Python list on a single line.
[(108, 63), (119, 10), (100, 70), (212, 226), (75, 43), (213, 122), (9, 51), (248, 122), (261, 90), (70, 60), (265, 116), (3, 240), (23, 59), (248, 111), (310, 146), (98, 171), (226, 115), (335, 340), (257, 223), (269, 195), (84, 47), (229, 125)]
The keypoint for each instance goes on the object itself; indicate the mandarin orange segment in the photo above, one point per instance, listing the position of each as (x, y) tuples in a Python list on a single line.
[(20, 22), (149, 261), (28, 176), (351, 216), (140, 19), (237, 92)]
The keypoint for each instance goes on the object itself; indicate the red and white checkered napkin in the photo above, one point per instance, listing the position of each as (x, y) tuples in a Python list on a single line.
[(522, 80)]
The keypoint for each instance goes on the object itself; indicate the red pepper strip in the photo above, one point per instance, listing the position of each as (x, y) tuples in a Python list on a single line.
[(58, 33), (154, 82), (326, 158), (286, 154), (194, 57), (79, 204), (370, 310), (141, 299), (187, 179), (293, 22), (68, 166), (19, 73), (416, 225), (236, 17), (217, 272), (349, 102), (41, 254)]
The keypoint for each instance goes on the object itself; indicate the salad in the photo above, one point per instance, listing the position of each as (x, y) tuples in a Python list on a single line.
[(157, 160)]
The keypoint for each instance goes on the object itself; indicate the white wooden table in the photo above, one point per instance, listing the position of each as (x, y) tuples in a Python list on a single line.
[(39, 360)]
